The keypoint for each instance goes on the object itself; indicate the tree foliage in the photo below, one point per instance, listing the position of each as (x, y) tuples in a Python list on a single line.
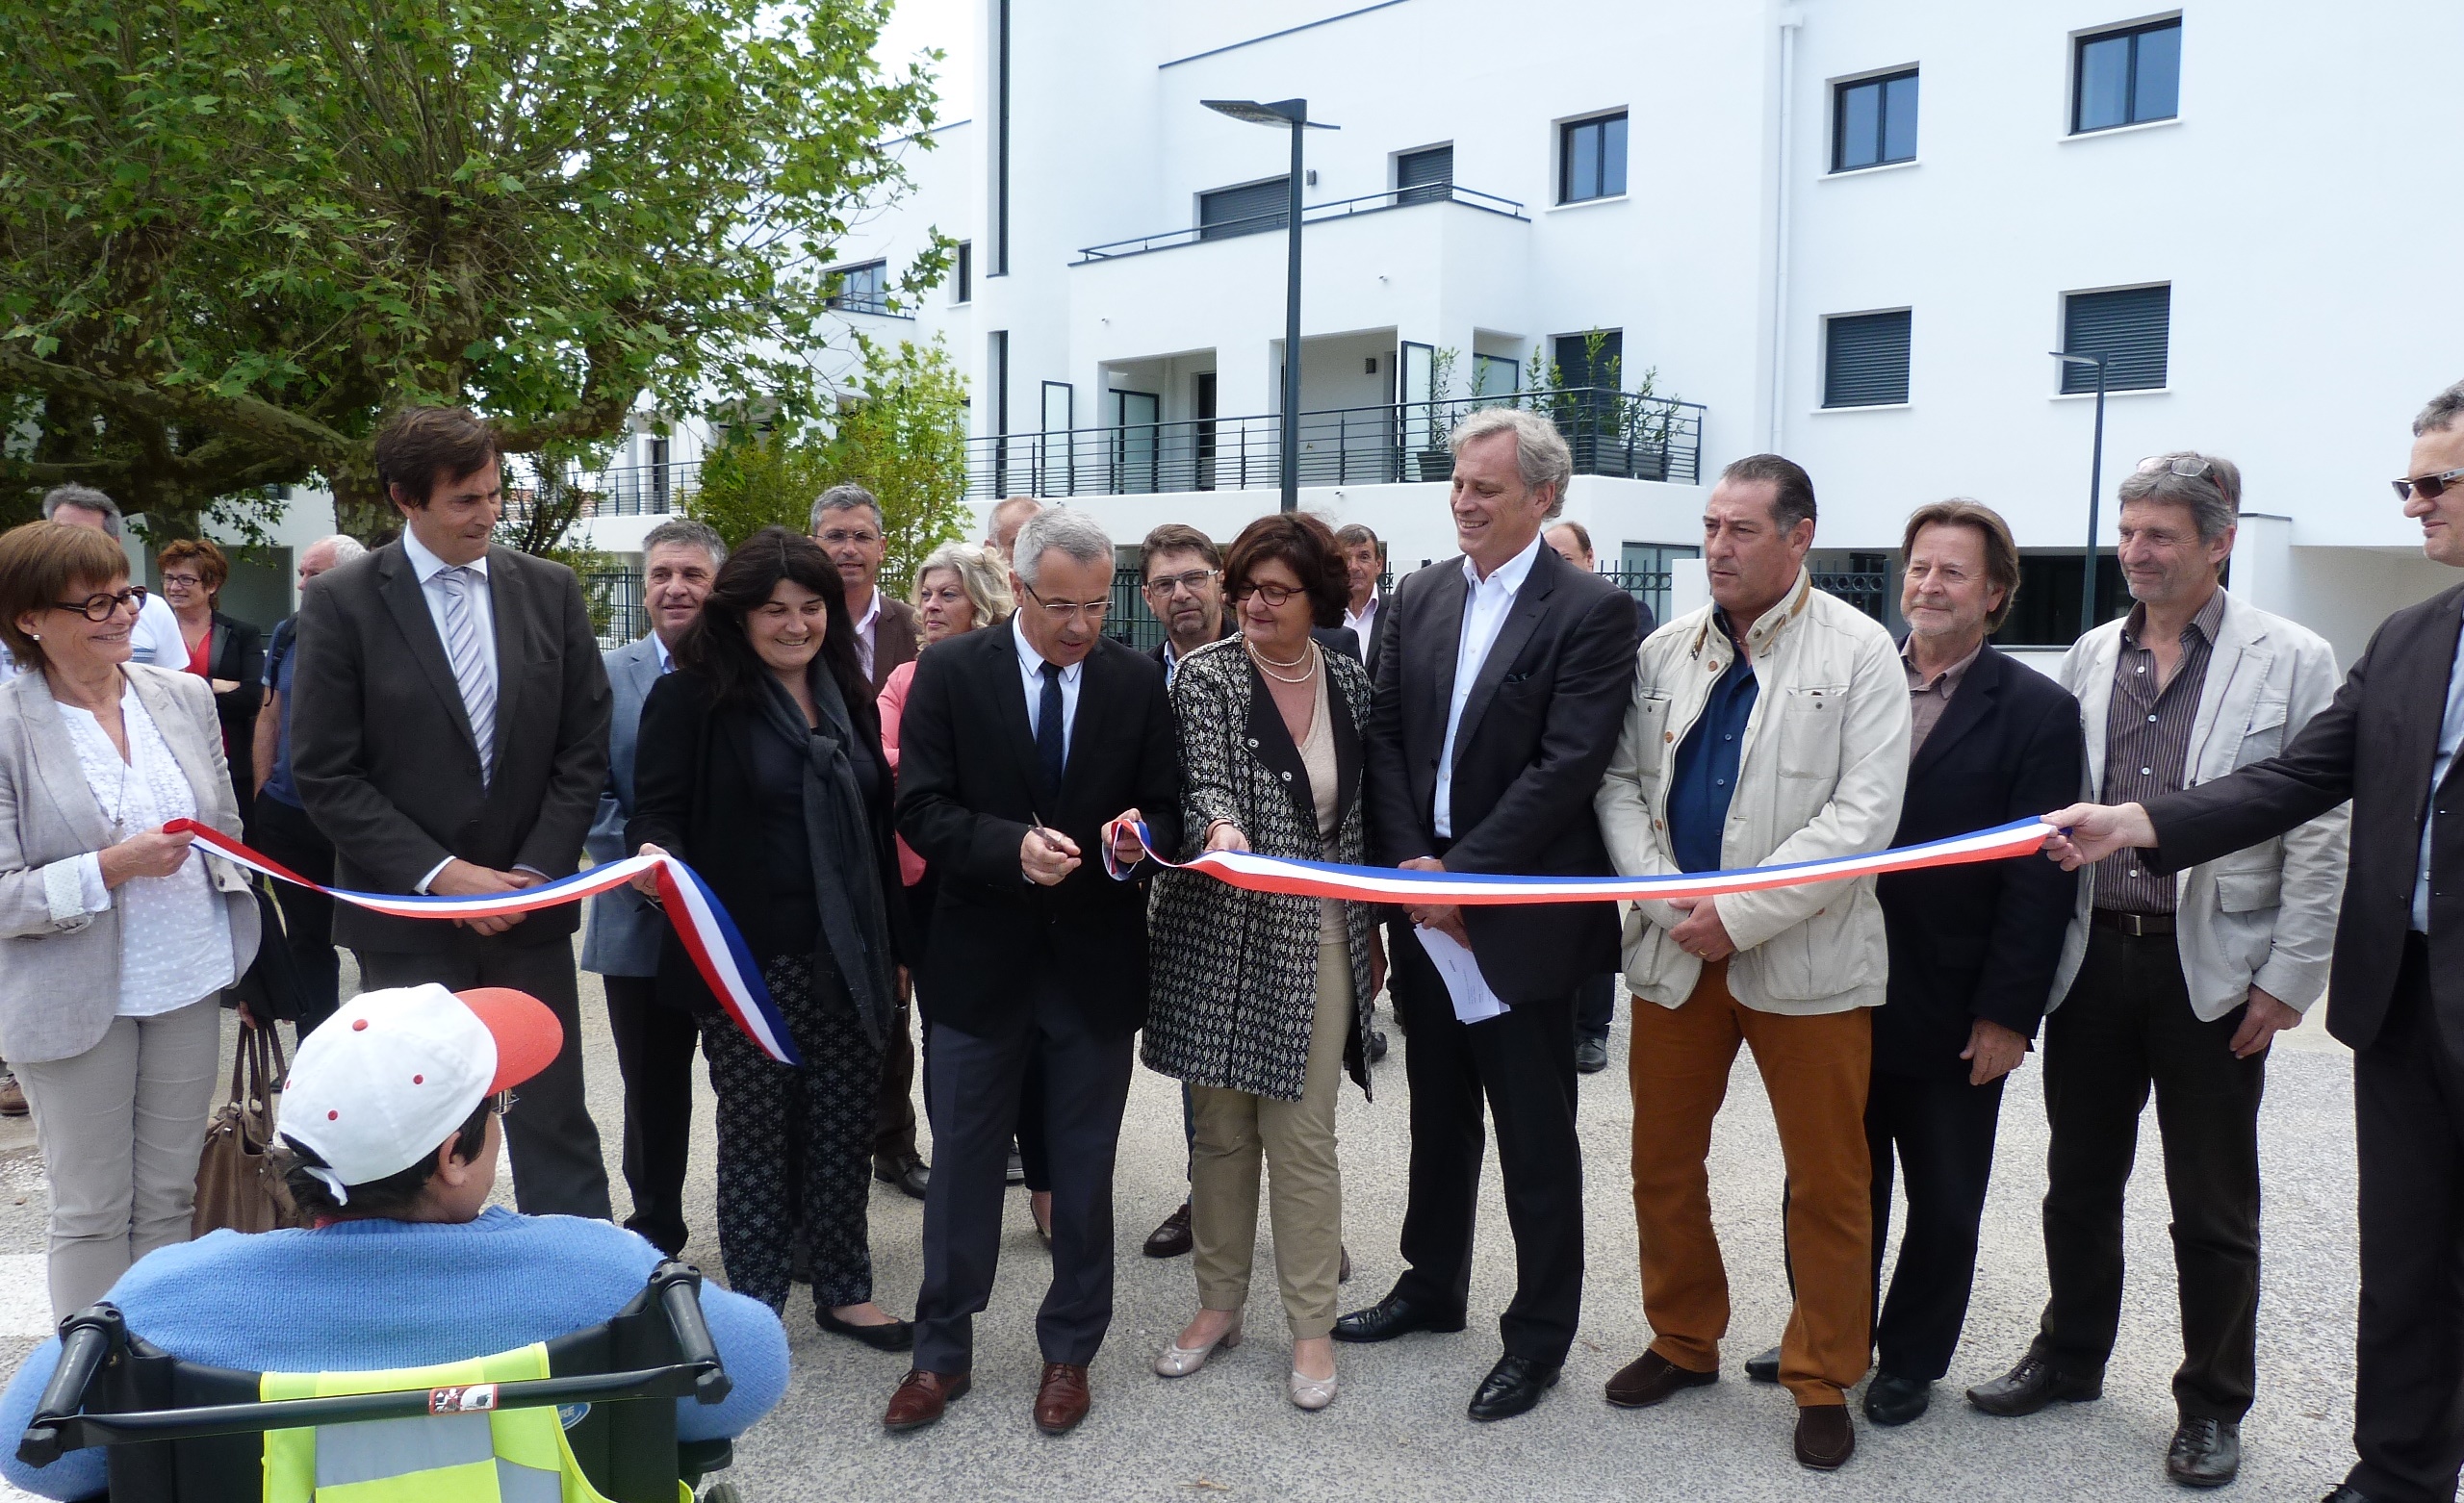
[(233, 236), (900, 433)]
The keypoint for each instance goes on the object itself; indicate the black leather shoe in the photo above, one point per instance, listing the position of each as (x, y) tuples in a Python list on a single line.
[(2030, 1387), (1396, 1316), (2205, 1453), (899, 1336), (1896, 1401), (1512, 1387), (908, 1171), (1591, 1055), (2346, 1492), (1173, 1236), (1376, 1045), (1763, 1366)]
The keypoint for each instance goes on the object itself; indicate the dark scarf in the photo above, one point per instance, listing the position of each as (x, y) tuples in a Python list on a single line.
[(855, 923)]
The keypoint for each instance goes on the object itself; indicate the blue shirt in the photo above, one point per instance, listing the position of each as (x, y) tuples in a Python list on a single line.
[(1704, 778), (280, 656)]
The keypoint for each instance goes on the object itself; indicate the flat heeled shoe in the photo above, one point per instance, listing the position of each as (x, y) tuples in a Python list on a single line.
[(1179, 1362), (1312, 1394)]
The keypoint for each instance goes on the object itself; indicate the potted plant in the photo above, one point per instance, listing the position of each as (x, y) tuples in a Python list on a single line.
[(1435, 459)]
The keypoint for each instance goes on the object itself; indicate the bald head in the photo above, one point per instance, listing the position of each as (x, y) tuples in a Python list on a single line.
[(328, 554)]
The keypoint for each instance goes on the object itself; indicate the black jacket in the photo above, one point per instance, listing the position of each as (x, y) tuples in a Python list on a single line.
[(1969, 942), (2374, 745), (238, 653), (697, 796), (1535, 739), (969, 787)]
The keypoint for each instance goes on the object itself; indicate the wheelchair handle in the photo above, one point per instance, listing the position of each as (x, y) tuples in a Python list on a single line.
[(87, 1340), (678, 1286)]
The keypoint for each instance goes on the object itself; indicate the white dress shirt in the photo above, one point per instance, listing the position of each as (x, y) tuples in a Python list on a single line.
[(2451, 735), (427, 566), (1031, 669), (1487, 603), (1362, 622), (867, 626)]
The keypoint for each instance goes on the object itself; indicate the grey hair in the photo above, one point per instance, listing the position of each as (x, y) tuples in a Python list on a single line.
[(86, 499), (2443, 412), (2213, 500), (979, 574), (686, 532), (1540, 453), (344, 546), (1074, 533), (845, 499)]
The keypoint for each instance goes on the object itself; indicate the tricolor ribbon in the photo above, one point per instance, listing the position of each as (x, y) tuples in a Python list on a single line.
[(1255, 873), (709, 935)]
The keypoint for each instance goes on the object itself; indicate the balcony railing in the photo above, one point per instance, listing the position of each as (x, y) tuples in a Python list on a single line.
[(620, 491), (1310, 214), (1612, 433)]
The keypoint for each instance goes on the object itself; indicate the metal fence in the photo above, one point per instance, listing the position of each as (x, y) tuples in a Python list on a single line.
[(617, 613), (1275, 218), (618, 491)]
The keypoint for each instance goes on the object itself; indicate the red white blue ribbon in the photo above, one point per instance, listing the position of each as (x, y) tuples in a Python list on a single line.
[(1255, 873), (710, 936)]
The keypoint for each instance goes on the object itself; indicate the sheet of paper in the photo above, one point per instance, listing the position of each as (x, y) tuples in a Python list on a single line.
[(1474, 1001)]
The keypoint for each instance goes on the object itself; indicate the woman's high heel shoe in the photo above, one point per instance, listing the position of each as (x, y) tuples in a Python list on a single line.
[(1179, 1362), (1313, 1393)]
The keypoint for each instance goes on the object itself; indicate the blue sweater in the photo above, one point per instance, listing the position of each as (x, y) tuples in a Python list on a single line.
[(360, 1296)]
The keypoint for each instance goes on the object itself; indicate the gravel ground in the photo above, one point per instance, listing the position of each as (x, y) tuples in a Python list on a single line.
[(1398, 1431)]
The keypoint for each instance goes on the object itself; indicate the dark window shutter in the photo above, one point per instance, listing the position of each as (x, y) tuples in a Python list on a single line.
[(2131, 328), (1248, 210), (1424, 176), (1575, 364), (1865, 364)]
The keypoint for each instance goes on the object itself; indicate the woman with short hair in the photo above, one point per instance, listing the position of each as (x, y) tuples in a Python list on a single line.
[(1255, 995), (225, 652), (119, 936)]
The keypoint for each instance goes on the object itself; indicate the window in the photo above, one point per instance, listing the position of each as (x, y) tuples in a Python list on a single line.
[(1425, 177), (1873, 120), (862, 289), (1644, 570), (2127, 77), (1249, 209), (1591, 158), (1865, 360), (963, 273), (2131, 328), (1494, 375), (1591, 358)]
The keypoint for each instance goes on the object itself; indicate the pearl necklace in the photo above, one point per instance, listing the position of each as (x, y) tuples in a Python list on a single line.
[(1267, 665)]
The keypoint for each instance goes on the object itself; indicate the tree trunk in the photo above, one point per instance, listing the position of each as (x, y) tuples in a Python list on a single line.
[(360, 506)]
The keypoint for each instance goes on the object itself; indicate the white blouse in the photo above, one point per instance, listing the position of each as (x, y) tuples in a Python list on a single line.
[(175, 936)]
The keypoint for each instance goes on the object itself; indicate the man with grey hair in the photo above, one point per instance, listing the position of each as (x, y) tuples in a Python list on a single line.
[(1007, 519), (2175, 981), (654, 1041), (2389, 743), (156, 637), (278, 824), (1021, 745), (1500, 687), (849, 525)]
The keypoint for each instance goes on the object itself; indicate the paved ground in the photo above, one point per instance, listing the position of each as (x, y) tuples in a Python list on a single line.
[(1398, 1431)]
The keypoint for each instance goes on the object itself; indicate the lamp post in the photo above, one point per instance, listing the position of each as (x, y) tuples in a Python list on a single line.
[(1294, 114), (2096, 487)]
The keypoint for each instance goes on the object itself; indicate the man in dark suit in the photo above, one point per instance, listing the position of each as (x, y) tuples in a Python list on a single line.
[(1499, 695), (2389, 743), (1017, 745), (1596, 1006), (1364, 565), (451, 738)]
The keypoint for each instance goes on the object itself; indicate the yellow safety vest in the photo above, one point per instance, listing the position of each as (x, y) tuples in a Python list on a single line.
[(483, 1454)]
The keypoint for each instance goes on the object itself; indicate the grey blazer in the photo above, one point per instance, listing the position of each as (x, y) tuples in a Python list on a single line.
[(58, 964), (625, 928)]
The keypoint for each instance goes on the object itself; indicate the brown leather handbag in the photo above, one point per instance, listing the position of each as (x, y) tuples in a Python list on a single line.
[(237, 1186)]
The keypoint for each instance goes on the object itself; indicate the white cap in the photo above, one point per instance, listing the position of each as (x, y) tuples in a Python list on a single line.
[(383, 1082)]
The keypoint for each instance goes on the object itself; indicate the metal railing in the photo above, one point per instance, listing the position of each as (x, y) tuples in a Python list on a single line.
[(620, 491), (1869, 593), (617, 613), (1310, 214), (1612, 433)]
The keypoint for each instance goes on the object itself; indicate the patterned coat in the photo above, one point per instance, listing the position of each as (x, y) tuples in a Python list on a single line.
[(1235, 973)]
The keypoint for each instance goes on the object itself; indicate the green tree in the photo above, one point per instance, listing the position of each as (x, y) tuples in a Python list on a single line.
[(232, 237), (900, 432)]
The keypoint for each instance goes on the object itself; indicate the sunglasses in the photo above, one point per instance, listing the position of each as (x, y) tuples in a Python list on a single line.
[(2429, 487), (2189, 467)]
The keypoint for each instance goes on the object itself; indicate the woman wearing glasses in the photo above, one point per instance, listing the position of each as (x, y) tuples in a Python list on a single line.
[(225, 652), (1255, 994), (120, 935)]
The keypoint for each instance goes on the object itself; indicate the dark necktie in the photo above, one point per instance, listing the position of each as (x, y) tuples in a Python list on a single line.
[(1048, 728)]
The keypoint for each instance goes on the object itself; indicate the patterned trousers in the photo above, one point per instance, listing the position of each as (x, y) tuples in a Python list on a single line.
[(760, 1102)]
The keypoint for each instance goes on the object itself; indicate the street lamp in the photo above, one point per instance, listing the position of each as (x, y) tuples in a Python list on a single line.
[(1294, 114), (2095, 486)]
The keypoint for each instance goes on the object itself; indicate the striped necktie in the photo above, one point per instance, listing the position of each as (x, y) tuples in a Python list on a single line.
[(471, 667)]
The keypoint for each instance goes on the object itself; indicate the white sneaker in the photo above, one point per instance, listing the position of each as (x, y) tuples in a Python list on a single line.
[(1179, 1362), (1312, 1394)]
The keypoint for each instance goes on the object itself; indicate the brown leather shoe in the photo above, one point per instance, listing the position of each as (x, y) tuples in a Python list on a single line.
[(1651, 1378), (1825, 1438), (1174, 1237), (1062, 1399), (921, 1397)]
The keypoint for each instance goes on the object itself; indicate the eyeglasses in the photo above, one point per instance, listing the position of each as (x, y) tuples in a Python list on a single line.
[(2430, 487), (839, 537), (190, 580), (2189, 467), (1168, 585), (1275, 595), (99, 608), (1063, 610)]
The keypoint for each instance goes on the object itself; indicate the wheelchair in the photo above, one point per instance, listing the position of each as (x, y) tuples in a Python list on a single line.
[(181, 1432)]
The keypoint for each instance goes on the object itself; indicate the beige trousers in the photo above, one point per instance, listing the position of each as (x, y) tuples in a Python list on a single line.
[(120, 1128), (1304, 1189)]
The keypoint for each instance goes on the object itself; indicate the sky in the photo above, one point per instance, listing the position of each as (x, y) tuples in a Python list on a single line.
[(915, 25)]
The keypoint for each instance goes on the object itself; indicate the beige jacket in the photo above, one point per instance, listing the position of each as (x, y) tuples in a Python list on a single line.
[(58, 964), (1823, 770), (2264, 916)]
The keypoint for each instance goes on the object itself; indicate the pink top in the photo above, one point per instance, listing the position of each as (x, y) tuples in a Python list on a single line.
[(891, 703)]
